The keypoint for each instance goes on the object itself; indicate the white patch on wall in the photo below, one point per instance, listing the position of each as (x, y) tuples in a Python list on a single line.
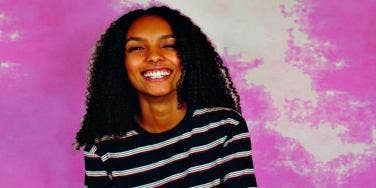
[(283, 82), (253, 28), (8, 69), (323, 142), (6, 64), (6, 36), (2, 16), (121, 5), (340, 64), (2, 19), (14, 36), (125, 2), (332, 93)]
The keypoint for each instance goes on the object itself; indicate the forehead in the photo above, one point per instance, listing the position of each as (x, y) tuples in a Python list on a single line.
[(148, 25)]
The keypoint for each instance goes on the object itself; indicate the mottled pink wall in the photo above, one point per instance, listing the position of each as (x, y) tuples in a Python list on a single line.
[(44, 48), (311, 111)]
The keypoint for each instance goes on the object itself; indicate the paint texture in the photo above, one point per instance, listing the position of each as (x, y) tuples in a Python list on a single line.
[(305, 71)]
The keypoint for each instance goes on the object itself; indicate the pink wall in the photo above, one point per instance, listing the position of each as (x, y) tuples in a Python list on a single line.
[(311, 110)]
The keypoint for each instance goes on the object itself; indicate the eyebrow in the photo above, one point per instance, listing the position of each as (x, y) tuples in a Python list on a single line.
[(167, 36), (141, 39)]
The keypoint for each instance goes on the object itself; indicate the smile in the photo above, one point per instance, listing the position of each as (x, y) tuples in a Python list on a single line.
[(156, 74)]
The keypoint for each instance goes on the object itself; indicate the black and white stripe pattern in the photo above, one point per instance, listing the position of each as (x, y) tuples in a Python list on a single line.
[(96, 173), (209, 148), (111, 137), (168, 142), (169, 160), (208, 110)]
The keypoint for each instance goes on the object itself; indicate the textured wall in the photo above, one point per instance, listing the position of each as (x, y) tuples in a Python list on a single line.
[(305, 71)]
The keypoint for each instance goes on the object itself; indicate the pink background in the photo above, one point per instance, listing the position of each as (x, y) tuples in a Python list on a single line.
[(305, 70)]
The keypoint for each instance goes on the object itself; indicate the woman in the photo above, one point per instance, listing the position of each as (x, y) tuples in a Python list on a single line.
[(161, 108)]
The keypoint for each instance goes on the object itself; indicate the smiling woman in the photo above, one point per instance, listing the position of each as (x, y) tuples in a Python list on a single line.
[(161, 108), (154, 69)]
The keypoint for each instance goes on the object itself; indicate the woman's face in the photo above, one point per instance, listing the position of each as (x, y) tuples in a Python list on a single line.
[(151, 58)]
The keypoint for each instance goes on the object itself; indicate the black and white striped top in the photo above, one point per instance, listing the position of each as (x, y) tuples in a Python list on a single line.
[(210, 147)]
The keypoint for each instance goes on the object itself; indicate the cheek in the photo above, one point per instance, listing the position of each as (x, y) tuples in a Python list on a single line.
[(174, 58), (177, 63), (132, 75), (132, 70), (131, 63)]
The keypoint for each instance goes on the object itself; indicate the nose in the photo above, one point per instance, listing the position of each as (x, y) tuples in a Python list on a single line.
[(154, 56)]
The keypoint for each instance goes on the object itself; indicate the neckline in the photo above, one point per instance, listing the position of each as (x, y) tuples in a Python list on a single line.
[(178, 128)]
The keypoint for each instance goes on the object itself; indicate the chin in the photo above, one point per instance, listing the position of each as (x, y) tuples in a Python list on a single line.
[(160, 93)]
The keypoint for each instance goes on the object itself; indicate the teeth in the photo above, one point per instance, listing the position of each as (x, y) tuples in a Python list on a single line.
[(156, 74)]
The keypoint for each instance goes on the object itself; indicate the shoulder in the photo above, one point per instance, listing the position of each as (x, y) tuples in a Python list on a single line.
[(103, 143), (222, 115), (111, 138), (229, 122), (213, 110), (217, 113)]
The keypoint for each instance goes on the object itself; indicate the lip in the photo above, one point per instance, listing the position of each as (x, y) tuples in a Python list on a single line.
[(157, 69)]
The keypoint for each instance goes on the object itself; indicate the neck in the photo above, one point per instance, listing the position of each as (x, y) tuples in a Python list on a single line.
[(160, 114)]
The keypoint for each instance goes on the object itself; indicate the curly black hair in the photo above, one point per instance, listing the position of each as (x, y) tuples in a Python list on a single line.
[(111, 100)]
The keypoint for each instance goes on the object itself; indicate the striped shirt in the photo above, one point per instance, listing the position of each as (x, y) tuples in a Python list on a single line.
[(210, 147)]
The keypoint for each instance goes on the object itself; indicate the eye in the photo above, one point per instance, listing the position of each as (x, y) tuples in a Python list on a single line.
[(172, 46), (136, 48)]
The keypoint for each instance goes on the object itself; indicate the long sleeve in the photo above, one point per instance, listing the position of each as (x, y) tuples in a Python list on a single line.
[(238, 170), (96, 175)]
